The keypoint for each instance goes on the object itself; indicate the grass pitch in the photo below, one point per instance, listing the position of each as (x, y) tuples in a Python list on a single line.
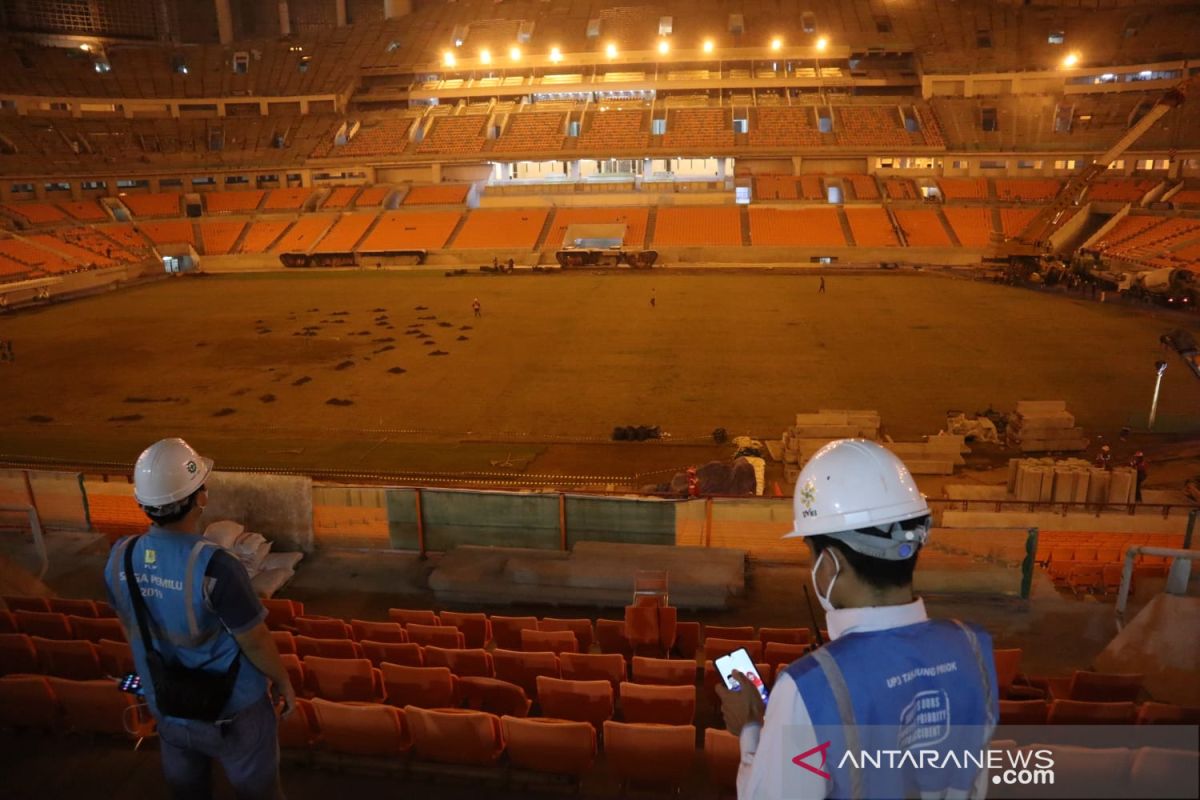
[(338, 370)]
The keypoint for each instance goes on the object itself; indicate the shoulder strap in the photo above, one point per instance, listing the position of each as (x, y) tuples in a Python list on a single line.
[(841, 696), (985, 676), (136, 600), (189, 588)]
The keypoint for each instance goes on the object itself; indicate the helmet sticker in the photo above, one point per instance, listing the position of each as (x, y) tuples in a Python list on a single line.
[(191, 467), (808, 498)]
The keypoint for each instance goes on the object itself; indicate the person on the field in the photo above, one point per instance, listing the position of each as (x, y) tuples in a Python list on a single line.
[(1138, 462), (476, 307), (1104, 458), (889, 675), (821, 288)]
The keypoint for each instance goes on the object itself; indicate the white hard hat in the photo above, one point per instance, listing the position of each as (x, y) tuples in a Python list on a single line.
[(850, 484), (168, 471)]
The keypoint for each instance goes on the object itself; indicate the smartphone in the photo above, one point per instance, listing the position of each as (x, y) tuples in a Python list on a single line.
[(132, 684), (740, 660)]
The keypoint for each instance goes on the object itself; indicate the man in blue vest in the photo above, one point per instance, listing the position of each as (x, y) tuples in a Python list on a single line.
[(893, 704), (201, 613)]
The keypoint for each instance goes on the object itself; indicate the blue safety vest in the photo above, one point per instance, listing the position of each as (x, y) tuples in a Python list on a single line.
[(924, 689), (170, 569)]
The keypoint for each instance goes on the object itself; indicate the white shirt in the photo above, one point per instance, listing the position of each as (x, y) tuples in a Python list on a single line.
[(764, 764)]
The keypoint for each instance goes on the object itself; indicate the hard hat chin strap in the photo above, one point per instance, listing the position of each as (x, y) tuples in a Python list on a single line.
[(894, 543)]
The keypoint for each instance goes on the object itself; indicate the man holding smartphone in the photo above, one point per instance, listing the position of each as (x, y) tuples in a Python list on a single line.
[(890, 679), (202, 649)]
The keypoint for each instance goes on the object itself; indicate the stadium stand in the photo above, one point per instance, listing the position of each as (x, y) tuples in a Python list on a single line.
[(614, 131), (804, 227), (286, 199), (871, 227), (449, 136), (219, 238), (783, 127), (864, 187), (442, 194), (344, 234), (1014, 220), (168, 232), (303, 235), (85, 210), (963, 188), (716, 226), (501, 228), (260, 235), (705, 129), (233, 202), (375, 137), (160, 204), (900, 189), (873, 126), (373, 196), (37, 258), (1027, 189), (35, 213), (409, 230), (921, 228), (340, 197), (1122, 189), (532, 132), (635, 218), (972, 226)]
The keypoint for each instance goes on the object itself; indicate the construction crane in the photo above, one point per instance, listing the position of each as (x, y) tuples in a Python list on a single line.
[(1034, 239)]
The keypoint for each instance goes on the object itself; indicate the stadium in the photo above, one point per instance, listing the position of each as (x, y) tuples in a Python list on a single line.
[(513, 326)]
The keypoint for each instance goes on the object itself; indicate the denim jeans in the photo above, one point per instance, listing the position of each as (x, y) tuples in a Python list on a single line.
[(246, 746)]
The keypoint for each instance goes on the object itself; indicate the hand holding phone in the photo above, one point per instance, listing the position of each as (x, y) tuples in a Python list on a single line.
[(739, 660), (131, 683)]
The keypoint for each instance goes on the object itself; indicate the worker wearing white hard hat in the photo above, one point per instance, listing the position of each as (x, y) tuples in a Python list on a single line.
[(890, 677), (204, 656)]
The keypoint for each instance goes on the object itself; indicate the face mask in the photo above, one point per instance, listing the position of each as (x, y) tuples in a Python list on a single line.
[(823, 599)]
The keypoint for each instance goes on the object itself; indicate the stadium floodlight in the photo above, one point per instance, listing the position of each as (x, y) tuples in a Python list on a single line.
[(448, 59), (514, 54), (664, 47), (85, 47), (611, 50), (555, 55), (485, 56), (1070, 60), (777, 44), (709, 46), (822, 43)]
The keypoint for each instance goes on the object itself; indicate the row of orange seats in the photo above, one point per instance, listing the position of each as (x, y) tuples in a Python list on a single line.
[(1083, 712), (51, 703), (78, 659)]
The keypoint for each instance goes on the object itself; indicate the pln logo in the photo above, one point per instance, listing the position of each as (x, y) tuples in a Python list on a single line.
[(808, 498), (801, 760), (151, 557)]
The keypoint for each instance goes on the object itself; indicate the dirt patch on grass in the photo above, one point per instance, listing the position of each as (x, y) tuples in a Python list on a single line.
[(338, 401), (224, 412), (344, 365), (42, 418), (301, 381)]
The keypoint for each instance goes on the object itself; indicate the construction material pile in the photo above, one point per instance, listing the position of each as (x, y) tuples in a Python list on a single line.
[(937, 455), (1070, 480), (813, 431), (1043, 426), (268, 571)]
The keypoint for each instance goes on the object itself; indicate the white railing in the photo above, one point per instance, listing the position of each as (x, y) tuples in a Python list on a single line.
[(1177, 575)]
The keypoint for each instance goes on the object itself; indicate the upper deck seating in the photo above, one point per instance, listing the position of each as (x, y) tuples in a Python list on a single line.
[(695, 226)]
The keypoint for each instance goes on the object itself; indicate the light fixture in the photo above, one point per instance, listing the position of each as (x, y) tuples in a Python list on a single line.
[(485, 56), (822, 43), (555, 55), (448, 59), (708, 45), (664, 46), (611, 50), (514, 54), (777, 43), (1070, 60), (85, 47)]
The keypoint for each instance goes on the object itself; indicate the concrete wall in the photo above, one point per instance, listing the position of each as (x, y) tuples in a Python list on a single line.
[(279, 507)]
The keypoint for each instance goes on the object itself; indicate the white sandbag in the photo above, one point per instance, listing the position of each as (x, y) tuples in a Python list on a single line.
[(248, 542), (224, 532), (270, 581), (281, 561)]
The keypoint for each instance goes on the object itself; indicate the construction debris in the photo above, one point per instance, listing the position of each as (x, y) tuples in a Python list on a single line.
[(1071, 480), (1043, 426)]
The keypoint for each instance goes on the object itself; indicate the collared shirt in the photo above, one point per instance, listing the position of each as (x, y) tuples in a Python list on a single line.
[(760, 776)]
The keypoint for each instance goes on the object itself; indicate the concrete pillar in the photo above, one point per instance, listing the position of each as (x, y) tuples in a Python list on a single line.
[(263, 107), (304, 106), (340, 10), (224, 21), (174, 108), (220, 109), (285, 19), (435, 173), (393, 9), (574, 173)]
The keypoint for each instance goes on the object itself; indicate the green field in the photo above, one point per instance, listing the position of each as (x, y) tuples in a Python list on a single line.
[(554, 362)]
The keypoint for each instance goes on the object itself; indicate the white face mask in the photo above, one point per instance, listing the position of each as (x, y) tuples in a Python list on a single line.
[(823, 599)]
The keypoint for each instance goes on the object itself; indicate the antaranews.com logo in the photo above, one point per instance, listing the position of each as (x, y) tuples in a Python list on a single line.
[(1007, 767)]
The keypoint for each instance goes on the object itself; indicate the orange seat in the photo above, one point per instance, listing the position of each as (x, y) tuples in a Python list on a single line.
[(327, 648), (467, 662), (343, 679), (435, 635), (46, 624), (475, 628), (506, 631), (26, 701), (1023, 712), (73, 608), (361, 729), (406, 654), (723, 754), (99, 707), (780, 653), (523, 669), (548, 641), (21, 603), (455, 736), (593, 667), (116, 658), (646, 753), (1167, 714), (494, 696), (413, 615), (667, 705), (94, 629), (664, 672), (285, 642), (75, 659), (582, 701), (282, 613), (556, 746), (295, 671), (687, 639), (715, 648), (783, 636), (17, 654), (323, 628), (1080, 712), (428, 687), (610, 635), (298, 730), (582, 628), (742, 633), (1098, 687), (1008, 666), (365, 631), (651, 629)]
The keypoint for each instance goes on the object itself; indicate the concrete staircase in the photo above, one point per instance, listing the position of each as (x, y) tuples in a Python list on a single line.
[(844, 221)]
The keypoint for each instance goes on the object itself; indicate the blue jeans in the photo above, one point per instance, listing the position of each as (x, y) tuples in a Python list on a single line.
[(247, 747)]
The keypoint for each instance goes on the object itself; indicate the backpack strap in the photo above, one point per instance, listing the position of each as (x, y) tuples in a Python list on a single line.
[(841, 696)]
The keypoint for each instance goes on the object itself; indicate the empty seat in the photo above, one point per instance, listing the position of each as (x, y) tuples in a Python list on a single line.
[(68, 658), (343, 679), (1008, 666), (406, 654), (285, 642), (323, 628), (116, 658), (506, 631), (26, 701), (741, 633), (556, 746), (298, 730), (475, 628), (782, 636), (523, 668), (20, 603), (494, 696), (1023, 712), (17, 654), (428, 687), (667, 705), (8, 624), (593, 667), (780, 653), (1104, 687), (455, 735), (474, 662), (610, 635), (1080, 712), (94, 629), (582, 628), (687, 639), (435, 635), (99, 707), (723, 755), (366, 631), (295, 671), (282, 613), (361, 729), (715, 648), (327, 648), (548, 641), (650, 629), (73, 608), (419, 616), (46, 624), (582, 701), (1167, 714), (653, 754), (664, 672)]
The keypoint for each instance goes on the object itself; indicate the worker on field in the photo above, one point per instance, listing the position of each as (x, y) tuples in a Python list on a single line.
[(653, 301), (200, 644), (1138, 462), (1104, 458), (821, 288), (890, 677), (476, 307)]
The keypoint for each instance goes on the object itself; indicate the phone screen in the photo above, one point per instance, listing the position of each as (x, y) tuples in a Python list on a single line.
[(131, 683), (740, 660)]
